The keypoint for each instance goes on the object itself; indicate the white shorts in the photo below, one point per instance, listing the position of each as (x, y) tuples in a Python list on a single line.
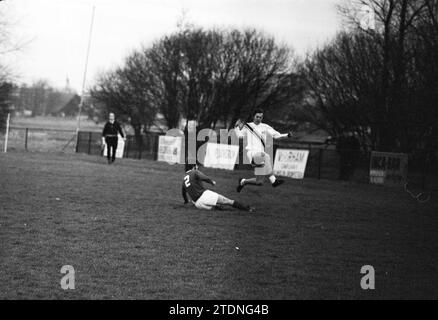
[(207, 201), (261, 158)]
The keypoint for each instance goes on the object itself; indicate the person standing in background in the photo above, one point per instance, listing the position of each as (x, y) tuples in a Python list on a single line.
[(348, 147), (110, 137)]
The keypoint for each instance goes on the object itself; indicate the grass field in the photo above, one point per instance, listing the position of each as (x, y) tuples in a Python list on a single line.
[(125, 231)]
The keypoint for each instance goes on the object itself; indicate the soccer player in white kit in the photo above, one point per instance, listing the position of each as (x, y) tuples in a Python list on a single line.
[(256, 134)]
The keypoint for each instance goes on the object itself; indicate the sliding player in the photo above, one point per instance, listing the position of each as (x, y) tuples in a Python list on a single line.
[(203, 198), (256, 134)]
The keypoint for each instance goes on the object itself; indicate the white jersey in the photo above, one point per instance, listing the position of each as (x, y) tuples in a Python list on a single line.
[(257, 137)]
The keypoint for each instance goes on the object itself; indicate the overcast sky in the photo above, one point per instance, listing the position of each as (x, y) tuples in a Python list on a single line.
[(58, 29)]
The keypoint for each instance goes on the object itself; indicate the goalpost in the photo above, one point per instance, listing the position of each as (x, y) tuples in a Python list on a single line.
[(84, 80), (78, 126)]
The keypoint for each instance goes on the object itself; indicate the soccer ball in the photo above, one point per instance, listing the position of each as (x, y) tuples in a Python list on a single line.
[(258, 161)]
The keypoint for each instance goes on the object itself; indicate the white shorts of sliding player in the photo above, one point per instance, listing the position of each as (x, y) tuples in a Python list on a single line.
[(207, 201)]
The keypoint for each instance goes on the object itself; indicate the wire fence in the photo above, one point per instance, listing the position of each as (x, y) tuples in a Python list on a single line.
[(39, 140), (324, 161), (91, 143)]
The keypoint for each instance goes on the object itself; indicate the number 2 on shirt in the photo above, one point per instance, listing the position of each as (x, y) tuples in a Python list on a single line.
[(187, 181)]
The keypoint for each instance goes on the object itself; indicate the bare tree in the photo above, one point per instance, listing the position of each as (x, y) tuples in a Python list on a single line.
[(5, 93), (5, 74), (130, 92), (369, 79), (165, 59), (207, 75), (262, 73)]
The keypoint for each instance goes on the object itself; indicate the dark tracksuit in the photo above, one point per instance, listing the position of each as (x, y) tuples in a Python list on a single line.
[(110, 132)]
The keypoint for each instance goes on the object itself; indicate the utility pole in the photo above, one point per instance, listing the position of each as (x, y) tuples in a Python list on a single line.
[(85, 72)]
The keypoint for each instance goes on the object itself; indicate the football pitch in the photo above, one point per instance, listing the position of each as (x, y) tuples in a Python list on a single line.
[(125, 231)]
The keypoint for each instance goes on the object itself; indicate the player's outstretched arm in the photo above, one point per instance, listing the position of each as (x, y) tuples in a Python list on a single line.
[(238, 128), (205, 178), (122, 133), (239, 124), (277, 135)]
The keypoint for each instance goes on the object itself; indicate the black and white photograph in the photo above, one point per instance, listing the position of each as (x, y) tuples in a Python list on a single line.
[(218, 155)]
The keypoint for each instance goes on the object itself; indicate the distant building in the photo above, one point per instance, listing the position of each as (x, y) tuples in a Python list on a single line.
[(27, 113), (71, 108), (68, 107)]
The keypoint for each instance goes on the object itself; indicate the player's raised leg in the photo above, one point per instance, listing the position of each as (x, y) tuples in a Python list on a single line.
[(257, 181), (263, 168), (258, 162), (269, 171)]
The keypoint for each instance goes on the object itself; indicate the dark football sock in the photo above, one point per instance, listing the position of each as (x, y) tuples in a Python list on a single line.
[(240, 206)]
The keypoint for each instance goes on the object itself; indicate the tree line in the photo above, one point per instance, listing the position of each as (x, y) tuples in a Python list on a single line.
[(37, 99), (380, 82), (42, 99), (211, 76)]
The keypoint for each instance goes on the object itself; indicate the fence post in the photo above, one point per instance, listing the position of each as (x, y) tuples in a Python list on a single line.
[(156, 140), (7, 132), (140, 149), (319, 163), (77, 141), (25, 138), (89, 142)]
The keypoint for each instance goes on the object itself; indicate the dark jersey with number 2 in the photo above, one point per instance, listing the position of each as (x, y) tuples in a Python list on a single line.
[(192, 184)]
